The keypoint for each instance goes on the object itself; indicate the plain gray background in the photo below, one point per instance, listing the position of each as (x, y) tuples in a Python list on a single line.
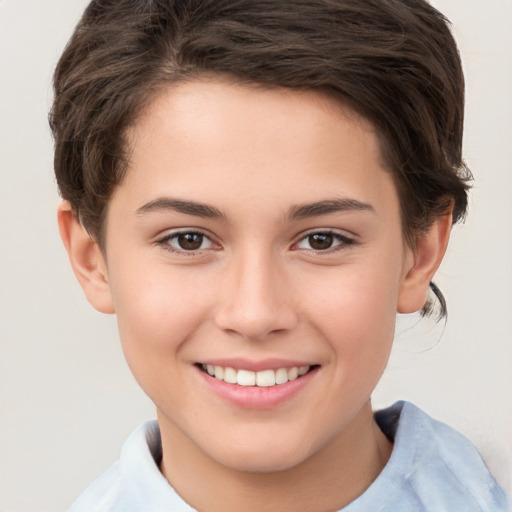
[(67, 400)]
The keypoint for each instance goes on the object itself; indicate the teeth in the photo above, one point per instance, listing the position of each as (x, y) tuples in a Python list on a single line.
[(245, 378), (265, 378), (293, 373), (303, 370), (282, 376), (230, 375)]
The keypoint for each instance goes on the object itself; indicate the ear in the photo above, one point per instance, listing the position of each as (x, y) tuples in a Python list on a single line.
[(422, 263), (86, 259)]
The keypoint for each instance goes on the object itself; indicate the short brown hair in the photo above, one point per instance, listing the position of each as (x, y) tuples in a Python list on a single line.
[(393, 61)]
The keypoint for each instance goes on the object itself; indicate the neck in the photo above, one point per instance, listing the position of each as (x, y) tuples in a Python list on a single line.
[(328, 480)]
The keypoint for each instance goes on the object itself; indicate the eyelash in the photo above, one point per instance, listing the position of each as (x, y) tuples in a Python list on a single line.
[(164, 242), (344, 242)]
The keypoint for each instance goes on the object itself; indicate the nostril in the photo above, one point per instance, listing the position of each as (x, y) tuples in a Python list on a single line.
[(252, 306)]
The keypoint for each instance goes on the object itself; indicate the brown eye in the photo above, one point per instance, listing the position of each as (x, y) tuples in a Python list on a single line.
[(190, 241), (321, 241), (324, 242)]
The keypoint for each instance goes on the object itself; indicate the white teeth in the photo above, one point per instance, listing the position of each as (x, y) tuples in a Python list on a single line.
[(293, 373), (230, 375), (246, 378), (219, 372), (282, 376), (265, 378)]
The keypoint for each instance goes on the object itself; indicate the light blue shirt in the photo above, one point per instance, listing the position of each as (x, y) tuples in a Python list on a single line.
[(432, 468)]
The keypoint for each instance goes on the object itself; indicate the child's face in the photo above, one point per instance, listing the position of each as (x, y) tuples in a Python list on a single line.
[(252, 175)]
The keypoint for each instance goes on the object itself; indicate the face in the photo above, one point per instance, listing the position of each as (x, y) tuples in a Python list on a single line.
[(255, 261)]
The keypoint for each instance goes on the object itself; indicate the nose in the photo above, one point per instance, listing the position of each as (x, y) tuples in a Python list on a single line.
[(256, 301)]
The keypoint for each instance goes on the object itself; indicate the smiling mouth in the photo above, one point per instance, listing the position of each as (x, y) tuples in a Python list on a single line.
[(265, 378)]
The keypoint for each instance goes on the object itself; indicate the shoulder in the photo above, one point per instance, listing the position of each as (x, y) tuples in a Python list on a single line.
[(432, 467), (101, 494), (133, 483)]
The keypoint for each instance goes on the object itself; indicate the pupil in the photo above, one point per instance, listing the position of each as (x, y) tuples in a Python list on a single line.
[(320, 241), (190, 241)]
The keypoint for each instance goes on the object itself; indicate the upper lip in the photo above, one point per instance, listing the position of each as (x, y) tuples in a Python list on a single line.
[(256, 366)]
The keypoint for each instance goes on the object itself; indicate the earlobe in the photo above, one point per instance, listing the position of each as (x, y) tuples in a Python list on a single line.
[(422, 263), (86, 259)]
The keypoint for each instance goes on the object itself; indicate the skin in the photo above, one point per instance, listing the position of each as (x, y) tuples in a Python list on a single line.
[(257, 288)]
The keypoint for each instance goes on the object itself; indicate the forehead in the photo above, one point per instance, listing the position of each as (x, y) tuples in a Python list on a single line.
[(209, 105), (222, 142)]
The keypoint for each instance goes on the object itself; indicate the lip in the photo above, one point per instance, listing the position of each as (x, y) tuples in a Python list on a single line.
[(254, 397), (256, 366)]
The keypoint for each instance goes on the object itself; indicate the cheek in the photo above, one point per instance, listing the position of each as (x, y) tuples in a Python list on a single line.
[(157, 310), (356, 312)]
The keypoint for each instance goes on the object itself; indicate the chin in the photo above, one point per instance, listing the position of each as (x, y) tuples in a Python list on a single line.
[(269, 457), (267, 463)]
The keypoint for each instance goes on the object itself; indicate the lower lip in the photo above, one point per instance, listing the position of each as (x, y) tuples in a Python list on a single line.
[(256, 397)]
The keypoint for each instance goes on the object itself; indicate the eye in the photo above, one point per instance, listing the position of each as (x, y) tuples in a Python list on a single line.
[(324, 241), (186, 241)]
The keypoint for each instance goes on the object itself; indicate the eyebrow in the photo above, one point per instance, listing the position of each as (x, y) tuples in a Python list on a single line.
[(328, 206), (296, 212), (163, 204)]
